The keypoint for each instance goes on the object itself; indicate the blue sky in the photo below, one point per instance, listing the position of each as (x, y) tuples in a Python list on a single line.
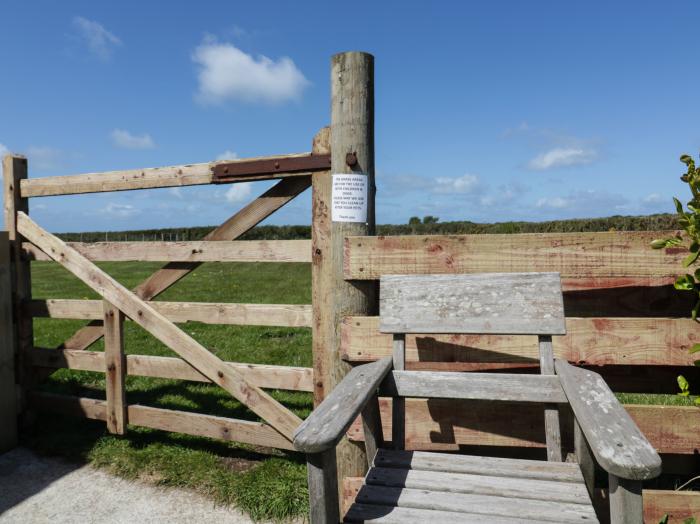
[(485, 111)]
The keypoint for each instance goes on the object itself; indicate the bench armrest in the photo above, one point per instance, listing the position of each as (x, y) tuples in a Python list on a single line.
[(617, 443), (327, 424)]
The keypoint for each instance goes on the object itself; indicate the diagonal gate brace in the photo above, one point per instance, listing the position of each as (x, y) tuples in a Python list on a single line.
[(155, 323)]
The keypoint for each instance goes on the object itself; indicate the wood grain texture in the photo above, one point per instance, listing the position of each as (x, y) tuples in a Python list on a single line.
[(8, 384), (486, 386), (328, 423), (148, 178), (398, 405), (619, 446), (449, 425), (499, 303), (261, 375), (322, 475), (678, 504), (191, 251), (615, 254), (486, 483), (15, 170), (351, 132), (288, 315), (592, 341), (255, 433), (372, 429), (480, 465), (486, 505), (393, 515), (142, 313), (626, 505), (115, 369), (238, 224), (552, 427)]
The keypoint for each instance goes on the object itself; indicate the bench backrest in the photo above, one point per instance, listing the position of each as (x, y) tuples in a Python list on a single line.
[(485, 303)]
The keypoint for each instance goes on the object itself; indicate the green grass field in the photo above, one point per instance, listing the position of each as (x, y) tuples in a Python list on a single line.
[(268, 484), (264, 483)]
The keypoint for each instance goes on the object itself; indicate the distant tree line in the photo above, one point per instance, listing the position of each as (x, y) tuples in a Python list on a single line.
[(428, 225)]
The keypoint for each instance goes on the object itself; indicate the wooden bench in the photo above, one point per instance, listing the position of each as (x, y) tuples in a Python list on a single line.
[(412, 486)]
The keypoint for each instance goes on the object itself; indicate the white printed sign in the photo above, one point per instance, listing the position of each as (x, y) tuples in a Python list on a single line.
[(349, 200)]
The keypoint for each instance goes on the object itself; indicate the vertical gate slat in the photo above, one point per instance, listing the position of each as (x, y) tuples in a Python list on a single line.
[(115, 369)]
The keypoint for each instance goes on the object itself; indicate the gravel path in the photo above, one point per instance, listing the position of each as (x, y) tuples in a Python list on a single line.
[(36, 489)]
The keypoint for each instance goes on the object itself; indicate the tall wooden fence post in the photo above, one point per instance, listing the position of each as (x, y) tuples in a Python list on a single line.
[(8, 393), (334, 298), (15, 170)]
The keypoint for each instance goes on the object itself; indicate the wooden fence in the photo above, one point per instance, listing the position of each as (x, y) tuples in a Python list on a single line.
[(30, 242), (623, 318)]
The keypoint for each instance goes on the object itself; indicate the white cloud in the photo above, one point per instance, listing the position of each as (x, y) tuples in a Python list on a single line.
[(553, 203), (463, 184), (562, 157), (239, 192), (227, 73), (99, 41), (120, 210), (126, 140), (227, 155), (3, 150), (45, 158)]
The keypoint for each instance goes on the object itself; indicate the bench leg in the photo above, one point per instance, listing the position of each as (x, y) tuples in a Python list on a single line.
[(323, 487), (625, 501)]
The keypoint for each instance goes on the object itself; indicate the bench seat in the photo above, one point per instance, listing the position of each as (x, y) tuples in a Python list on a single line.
[(406, 486)]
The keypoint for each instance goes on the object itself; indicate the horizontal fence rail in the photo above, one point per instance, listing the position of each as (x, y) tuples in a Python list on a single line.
[(284, 315), (190, 251), (174, 176), (588, 341), (248, 432), (622, 254), (260, 375)]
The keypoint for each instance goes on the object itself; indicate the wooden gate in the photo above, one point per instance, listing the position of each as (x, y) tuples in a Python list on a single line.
[(245, 382)]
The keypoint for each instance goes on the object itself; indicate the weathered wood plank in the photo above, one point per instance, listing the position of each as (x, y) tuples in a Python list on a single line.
[(552, 428), (442, 424), (190, 251), (372, 428), (15, 170), (142, 313), (487, 386), (148, 178), (255, 433), (616, 441), (244, 220), (322, 475), (233, 430), (486, 483), (8, 383), (394, 515), (486, 505), (261, 375), (580, 255), (328, 423), (398, 405), (677, 504), (625, 500), (288, 315), (593, 341), (501, 303), (115, 369), (480, 465)]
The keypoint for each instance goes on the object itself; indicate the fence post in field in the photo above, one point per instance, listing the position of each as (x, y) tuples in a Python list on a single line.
[(8, 393), (20, 284), (352, 151)]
